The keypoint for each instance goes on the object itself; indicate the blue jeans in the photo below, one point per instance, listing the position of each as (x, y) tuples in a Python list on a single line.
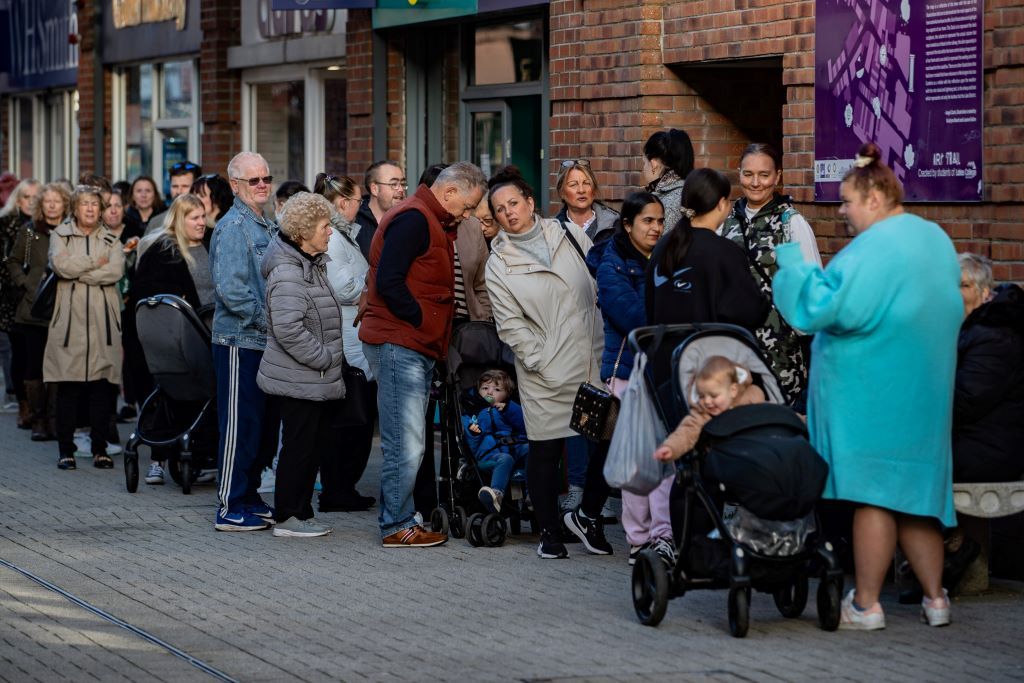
[(500, 460), (403, 389), (577, 450)]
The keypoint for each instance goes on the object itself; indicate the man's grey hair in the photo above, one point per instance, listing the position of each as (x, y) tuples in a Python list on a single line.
[(978, 269), (235, 165), (464, 175)]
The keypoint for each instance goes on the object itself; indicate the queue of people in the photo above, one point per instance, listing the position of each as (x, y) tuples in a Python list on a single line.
[(369, 278)]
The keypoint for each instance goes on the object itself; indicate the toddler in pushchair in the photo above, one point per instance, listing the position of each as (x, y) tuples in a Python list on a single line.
[(746, 484), (496, 435), (481, 484), (178, 420)]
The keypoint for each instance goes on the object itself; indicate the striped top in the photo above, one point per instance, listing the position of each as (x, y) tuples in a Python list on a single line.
[(461, 309)]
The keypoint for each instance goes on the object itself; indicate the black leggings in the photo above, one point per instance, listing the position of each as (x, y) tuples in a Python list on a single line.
[(98, 393), (544, 479)]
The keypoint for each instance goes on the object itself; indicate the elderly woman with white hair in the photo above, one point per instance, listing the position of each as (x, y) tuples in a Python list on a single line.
[(303, 359), (988, 398)]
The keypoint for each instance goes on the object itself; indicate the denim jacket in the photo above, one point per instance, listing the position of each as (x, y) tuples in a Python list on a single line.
[(236, 253)]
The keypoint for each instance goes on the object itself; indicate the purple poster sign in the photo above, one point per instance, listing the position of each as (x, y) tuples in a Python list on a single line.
[(906, 75)]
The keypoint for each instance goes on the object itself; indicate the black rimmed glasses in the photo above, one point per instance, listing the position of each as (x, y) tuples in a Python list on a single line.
[(396, 185), (253, 182)]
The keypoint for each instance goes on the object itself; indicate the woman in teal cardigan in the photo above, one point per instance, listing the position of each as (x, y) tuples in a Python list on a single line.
[(886, 313)]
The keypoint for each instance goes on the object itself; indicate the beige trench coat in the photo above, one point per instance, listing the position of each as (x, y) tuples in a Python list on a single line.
[(84, 340), (549, 317)]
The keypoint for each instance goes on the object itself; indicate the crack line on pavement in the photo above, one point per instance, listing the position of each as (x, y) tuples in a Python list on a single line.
[(145, 635)]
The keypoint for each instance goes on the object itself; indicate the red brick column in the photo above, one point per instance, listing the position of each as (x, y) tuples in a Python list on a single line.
[(220, 88), (359, 91)]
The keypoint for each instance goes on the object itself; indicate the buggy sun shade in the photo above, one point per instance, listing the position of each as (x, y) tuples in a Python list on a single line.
[(475, 347), (176, 346)]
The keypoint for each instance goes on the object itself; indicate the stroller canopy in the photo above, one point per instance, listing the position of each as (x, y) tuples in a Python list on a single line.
[(731, 342), (475, 347)]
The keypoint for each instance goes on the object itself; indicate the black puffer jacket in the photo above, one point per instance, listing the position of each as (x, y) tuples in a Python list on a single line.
[(988, 403)]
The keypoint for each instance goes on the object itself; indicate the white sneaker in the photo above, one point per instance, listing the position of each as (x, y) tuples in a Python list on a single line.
[(155, 474), (572, 499), (936, 612), (83, 445), (853, 619), (114, 449), (301, 528), (206, 477), (267, 481)]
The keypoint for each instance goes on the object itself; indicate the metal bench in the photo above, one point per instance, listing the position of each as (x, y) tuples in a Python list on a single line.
[(976, 504)]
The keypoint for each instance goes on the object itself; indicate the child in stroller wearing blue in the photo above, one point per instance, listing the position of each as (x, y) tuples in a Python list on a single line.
[(497, 435)]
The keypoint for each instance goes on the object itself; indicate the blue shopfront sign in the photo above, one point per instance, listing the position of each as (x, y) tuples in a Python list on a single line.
[(40, 43)]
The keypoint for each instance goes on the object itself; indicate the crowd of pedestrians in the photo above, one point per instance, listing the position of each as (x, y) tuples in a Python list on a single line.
[(347, 295)]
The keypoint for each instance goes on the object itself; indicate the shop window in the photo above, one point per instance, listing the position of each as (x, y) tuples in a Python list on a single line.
[(335, 126), (157, 124), (507, 53), (279, 123)]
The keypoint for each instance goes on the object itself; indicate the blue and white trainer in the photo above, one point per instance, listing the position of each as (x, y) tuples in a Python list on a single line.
[(240, 521), (261, 510)]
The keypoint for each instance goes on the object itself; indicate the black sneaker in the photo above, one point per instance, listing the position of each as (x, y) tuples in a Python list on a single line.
[(589, 531), (127, 414), (550, 548)]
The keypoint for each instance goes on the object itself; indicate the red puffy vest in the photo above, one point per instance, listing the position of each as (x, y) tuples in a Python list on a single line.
[(431, 280)]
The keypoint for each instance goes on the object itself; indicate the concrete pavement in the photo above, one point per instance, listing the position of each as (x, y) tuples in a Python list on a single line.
[(259, 608)]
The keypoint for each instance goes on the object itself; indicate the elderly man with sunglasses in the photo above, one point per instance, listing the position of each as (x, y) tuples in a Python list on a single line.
[(182, 175), (239, 337)]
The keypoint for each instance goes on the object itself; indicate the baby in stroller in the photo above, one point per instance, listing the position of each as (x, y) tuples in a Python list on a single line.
[(496, 435), (718, 386)]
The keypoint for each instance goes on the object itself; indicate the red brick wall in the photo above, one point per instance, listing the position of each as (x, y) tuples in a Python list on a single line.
[(359, 92), (396, 101), (610, 89), (220, 95)]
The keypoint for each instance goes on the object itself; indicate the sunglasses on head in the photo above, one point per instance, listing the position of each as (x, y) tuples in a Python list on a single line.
[(569, 163), (208, 177), (253, 182), (184, 167)]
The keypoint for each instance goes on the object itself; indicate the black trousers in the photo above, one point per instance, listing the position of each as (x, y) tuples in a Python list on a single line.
[(341, 470), (424, 491), (544, 479), (310, 431), (97, 395)]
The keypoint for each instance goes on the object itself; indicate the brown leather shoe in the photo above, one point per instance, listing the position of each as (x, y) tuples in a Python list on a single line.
[(414, 537)]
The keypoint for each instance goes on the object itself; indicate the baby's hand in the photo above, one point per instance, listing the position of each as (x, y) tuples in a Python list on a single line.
[(499, 406), (475, 428), (664, 454)]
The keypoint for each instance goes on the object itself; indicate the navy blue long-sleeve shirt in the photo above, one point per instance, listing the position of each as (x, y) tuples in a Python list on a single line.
[(407, 238)]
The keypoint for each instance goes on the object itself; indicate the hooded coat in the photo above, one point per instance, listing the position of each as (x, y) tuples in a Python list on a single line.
[(548, 316), (84, 339), (304, 350), (988, 398)]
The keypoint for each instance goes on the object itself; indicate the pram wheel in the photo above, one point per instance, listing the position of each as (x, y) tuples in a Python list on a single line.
[(739, 611), (182, 474), (457, 524), (473, 531), (829, 596), (131, 471), (791, 599), (493, 530), (439, 521), (650, 588)]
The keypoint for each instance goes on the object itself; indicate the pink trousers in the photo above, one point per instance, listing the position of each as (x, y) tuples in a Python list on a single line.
[(644, 518)]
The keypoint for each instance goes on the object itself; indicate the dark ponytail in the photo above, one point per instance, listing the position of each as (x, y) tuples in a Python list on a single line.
[(703, 189)]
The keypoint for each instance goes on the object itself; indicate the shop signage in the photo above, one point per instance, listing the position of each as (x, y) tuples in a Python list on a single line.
[(322, 4), (38, 49), (135, 12), (274, 23), (908, 77)]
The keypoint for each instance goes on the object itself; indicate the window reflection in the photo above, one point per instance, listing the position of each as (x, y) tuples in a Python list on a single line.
[(508, 53)]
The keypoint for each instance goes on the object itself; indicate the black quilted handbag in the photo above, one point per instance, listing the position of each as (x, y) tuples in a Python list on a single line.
[(594, 412)]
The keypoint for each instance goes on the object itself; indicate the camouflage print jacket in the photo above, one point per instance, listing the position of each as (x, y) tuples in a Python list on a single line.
[(759, 237)]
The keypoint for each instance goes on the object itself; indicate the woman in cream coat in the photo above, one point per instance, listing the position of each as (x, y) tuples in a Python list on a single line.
[(545, 308)]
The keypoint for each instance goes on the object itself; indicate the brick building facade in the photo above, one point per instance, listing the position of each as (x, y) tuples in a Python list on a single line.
[(614, 71)]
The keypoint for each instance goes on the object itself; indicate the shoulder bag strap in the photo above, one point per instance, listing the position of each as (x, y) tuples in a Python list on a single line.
[(575, 244)]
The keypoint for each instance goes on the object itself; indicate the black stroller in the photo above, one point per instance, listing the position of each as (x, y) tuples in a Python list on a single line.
[(179, 417), (744, 496), (474, 347)]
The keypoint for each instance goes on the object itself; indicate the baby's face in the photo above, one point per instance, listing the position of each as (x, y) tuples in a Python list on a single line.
[(716, 394), (493, 393)]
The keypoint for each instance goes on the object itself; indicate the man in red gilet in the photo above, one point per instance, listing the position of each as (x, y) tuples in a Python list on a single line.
[(406, 327)]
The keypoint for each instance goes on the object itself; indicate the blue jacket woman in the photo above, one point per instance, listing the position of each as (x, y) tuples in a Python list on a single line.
[(619, 268)]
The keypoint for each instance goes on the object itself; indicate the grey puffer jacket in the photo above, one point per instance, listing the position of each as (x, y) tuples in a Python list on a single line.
[(304, 346)]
